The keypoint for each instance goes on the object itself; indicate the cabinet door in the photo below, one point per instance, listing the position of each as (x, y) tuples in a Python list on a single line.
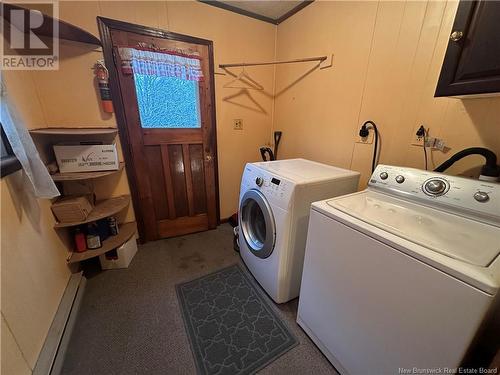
[(472, 60)]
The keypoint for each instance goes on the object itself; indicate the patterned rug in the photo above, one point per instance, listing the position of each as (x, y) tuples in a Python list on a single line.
[(232, 326)]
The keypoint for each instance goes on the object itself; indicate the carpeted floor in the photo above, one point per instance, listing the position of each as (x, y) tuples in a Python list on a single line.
[(130, 321)]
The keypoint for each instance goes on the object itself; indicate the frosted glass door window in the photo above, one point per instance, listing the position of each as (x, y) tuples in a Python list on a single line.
[(167, 102)]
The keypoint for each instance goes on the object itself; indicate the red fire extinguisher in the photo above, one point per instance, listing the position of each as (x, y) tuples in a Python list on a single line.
[(101, 72)]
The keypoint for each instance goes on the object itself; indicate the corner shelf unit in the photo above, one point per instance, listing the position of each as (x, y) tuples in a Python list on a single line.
[(126, 231), (105, 208), (44, 139)]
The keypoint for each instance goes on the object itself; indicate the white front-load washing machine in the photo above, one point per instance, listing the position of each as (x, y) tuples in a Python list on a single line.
[(275, 199)]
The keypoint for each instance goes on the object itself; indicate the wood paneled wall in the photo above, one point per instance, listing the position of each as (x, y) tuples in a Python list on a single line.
[(387, 59)]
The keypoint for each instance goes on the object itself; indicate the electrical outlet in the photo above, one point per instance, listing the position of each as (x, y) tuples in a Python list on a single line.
[(416, 140), (238, 124), (430, 142), (366, 140)]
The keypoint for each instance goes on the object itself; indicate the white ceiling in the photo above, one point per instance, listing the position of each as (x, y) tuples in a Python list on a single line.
[(270, 9)]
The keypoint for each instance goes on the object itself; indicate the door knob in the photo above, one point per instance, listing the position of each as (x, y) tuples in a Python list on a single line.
[(208, 158), (456, 36)]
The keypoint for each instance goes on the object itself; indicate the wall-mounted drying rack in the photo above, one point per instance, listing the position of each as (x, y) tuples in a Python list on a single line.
[(320, 60)]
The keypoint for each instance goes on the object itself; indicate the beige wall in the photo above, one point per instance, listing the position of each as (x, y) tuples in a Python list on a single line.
[(387, 58), (34, 271), (12, 361)]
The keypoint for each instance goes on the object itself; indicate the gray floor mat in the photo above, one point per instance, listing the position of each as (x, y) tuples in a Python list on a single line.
[(232, 326)]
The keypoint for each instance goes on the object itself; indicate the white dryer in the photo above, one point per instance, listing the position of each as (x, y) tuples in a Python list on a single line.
[(399, 278), (275, 198)]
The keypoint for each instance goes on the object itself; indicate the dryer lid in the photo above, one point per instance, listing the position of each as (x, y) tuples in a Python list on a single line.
[(451, 235), (302, 170)]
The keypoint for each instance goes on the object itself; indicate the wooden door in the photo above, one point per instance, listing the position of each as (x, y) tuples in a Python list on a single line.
[(472, 61), (173, 170)]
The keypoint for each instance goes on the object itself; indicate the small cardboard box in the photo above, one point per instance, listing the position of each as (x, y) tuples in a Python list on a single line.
[(72, 209), (86, 158), (120, 257)]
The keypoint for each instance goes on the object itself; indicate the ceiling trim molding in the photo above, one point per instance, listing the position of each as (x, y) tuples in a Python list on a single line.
[(239, 11), (274, 21), (294, 10)]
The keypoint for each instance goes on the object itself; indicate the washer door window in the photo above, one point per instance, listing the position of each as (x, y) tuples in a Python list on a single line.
[(257, 223)]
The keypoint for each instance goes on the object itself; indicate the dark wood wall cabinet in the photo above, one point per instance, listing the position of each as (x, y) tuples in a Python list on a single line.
[(472, 62)]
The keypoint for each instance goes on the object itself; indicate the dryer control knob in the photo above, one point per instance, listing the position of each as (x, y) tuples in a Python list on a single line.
[(384, 175), (400, 179), (259, 181)]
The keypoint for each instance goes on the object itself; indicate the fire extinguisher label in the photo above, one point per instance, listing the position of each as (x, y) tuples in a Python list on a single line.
[(104, 91)]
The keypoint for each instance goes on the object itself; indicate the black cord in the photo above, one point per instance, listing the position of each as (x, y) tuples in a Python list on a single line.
[(277, 139), (266, 150), (425, 151), (363, 130), (375, 149), (421, 132)]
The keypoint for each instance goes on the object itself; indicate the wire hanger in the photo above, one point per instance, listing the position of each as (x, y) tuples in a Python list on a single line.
[(248, 82), (244, 92)]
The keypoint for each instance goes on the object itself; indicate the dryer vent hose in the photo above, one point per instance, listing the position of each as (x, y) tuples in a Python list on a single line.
[(490, 169)]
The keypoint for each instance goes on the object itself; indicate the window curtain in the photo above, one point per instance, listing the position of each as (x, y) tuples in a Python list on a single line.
[(25, 150), (161, 63)]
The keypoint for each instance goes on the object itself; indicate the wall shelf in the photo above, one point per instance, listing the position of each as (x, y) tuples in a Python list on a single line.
[(67, 31), (126, 231), (75, 176), (46, 138), (74, 131), (105, 208)]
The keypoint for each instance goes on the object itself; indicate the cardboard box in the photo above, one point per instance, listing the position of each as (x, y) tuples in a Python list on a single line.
[(72, 209), (120, 257), (86, 158)]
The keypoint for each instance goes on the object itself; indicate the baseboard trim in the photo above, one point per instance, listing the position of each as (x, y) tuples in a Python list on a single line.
[(54, 348)]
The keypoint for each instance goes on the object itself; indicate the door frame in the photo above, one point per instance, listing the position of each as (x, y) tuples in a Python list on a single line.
[(105, 25)]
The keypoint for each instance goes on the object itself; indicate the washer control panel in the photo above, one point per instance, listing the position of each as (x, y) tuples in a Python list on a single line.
[(277, 190), (469, 196)]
